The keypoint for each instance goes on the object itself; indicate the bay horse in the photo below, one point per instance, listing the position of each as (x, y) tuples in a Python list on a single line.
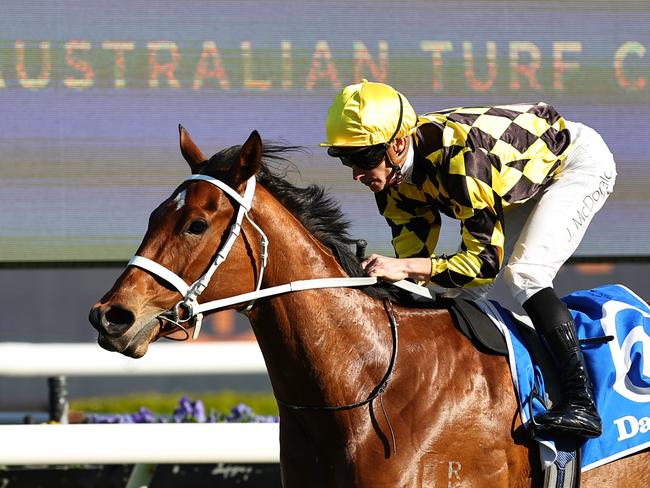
[(445, 416)]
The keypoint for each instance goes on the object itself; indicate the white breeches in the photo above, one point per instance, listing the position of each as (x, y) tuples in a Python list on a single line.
[(542, 233)]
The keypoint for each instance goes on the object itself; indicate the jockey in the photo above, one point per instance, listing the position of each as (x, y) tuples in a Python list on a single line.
[(524, 184)]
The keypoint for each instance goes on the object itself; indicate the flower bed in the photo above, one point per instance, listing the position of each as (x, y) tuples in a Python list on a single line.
[(187, 411)]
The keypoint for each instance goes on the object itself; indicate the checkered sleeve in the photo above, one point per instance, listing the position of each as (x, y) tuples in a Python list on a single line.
[(415, 228), (481, 255)]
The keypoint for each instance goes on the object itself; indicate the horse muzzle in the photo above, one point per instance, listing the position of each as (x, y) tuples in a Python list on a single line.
[(119, 331)]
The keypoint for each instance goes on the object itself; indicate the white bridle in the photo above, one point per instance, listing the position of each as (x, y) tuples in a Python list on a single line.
[(191, 292)]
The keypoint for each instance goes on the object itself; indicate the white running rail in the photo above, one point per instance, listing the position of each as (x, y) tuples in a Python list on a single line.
[(24, 359), (139, 443)]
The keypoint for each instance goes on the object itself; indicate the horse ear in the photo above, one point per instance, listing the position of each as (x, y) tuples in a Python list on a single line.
[(250, 158), (190, 151)]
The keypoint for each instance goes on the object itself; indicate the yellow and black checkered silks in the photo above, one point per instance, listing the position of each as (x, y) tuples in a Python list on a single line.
[(470, 164)]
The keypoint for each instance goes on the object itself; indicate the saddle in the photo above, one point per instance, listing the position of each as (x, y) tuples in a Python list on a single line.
[(476, 326)]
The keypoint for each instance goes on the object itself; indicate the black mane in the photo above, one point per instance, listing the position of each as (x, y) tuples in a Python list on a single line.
[(320, 213)]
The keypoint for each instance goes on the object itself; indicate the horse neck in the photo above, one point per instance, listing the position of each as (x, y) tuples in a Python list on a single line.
[(308, 338), (294, 253)]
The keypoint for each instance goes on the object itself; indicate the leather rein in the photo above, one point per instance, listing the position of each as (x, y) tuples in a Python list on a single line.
[(192, 311)]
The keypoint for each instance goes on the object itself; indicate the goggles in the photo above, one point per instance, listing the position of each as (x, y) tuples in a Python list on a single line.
[(366, 158)]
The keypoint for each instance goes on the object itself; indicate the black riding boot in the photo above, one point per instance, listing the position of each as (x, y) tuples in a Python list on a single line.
[(576, 414)]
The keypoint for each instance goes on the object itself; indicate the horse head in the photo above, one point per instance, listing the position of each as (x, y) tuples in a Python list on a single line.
[(185, 234)]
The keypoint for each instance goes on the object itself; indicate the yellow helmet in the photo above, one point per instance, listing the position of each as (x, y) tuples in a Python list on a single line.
[(366, 114)]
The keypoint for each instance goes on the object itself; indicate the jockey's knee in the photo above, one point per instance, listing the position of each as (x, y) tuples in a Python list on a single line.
[(523, 282)]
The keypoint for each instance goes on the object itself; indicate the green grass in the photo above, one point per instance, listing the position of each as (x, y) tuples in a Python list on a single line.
[(165, 404)]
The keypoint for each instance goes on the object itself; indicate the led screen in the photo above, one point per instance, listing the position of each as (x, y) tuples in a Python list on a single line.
[(92, 92)]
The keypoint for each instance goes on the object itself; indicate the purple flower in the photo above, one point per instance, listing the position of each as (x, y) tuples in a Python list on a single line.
[(199, 411), (189, 411), (143, 416), (240, 413), (183, 410)]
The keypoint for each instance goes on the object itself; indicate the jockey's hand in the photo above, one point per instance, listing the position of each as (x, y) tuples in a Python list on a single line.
[(390, 269), (393, 269)]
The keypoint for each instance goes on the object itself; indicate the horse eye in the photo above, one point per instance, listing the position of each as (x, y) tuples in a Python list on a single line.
[(198, 227)]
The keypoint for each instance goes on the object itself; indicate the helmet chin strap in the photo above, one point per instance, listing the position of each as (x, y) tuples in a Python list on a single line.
[(396, 177)]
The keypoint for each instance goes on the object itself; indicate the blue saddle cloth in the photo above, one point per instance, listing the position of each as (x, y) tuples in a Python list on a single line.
[(619, 369)]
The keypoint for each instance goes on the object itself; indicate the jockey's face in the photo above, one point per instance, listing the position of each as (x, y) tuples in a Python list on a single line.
[(378, 176), (376, 179)]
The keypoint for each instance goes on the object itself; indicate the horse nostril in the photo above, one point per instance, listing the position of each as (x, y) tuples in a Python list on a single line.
[(112, 321), (118, 316)]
